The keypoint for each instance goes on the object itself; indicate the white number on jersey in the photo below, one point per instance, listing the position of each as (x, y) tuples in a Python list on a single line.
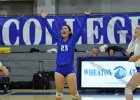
[(64, 47)]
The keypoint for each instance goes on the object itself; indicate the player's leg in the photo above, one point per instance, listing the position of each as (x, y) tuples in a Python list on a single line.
[(71, 81), (59, 81), (131, 85)]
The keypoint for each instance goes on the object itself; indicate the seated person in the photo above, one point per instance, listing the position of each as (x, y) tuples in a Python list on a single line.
[(94, 52), (111, 52), (123, 51)]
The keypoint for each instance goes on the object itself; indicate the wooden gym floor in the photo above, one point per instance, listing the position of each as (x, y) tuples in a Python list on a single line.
[(50, 95)]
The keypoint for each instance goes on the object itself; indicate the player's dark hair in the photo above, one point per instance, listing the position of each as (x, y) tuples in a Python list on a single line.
[(69, 30)]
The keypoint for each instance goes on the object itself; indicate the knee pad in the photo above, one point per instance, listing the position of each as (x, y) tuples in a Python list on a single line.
[(75, 96), (59, 95), (128, 91)]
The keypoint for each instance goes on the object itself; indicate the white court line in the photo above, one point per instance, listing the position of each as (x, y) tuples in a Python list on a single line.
[(107, 97)]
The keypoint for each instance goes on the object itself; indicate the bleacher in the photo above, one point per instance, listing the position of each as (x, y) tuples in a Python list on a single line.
[(25, 63)]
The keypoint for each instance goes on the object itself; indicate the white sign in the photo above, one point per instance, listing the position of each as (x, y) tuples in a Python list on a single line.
[(108, 74)]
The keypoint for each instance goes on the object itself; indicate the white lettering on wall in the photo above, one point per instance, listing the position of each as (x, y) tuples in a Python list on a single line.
[(26, 31), (111, 27), (91, 31), (6, 31), (134, 23), (48, 35)]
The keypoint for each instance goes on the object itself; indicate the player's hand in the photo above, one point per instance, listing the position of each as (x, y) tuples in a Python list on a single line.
[(88, 12), (43, 13), (133, 58)]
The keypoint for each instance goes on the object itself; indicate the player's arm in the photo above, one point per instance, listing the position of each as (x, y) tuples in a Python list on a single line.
[(4, 70), (134, 58), (46, 23), (79, 32)]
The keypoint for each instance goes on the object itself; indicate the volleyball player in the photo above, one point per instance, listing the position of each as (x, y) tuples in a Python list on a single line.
[(65, 56), (134, 46)]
